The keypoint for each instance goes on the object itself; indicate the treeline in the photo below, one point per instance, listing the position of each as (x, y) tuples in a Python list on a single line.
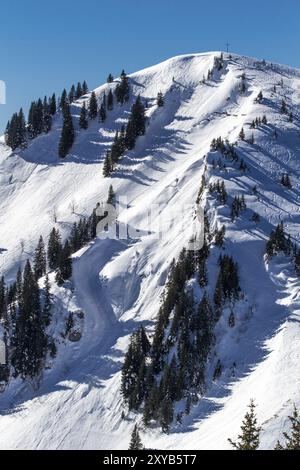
[(91, 111), (126, 138), (40, 114), (172, 366)]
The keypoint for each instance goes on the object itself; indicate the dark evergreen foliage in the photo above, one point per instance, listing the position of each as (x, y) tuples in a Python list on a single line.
[(93, 106), (122, 90), (83, 121), (250, 431), (67, 133)]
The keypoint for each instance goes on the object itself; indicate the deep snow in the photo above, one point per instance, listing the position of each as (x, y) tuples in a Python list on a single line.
[(117, 283)]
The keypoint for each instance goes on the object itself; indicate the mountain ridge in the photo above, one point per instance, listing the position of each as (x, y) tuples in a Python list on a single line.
[(165, 169)]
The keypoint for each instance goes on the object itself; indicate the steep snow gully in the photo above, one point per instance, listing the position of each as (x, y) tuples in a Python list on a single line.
[(117, 283)]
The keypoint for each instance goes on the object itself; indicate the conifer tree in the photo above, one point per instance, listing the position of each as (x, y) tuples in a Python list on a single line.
[(72, 94), (111, 195), (52, 104), (292, 440), (29, 338), (46, 312), (160, 99), (249, 437), (110, 78), (83, 122), (283, 108), (40, 259), (54, 248), (63, 99), (67, 133), (85, 89), (136, 123), (64, 268), (47, 118), (102, 110), (2, 297), (135, 441), (242, 134), (78, 92), (122, 89), (93, 106), (107, 165), (110, 101)]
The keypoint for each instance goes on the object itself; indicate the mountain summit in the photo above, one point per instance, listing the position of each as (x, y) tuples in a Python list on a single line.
[(213, 132)]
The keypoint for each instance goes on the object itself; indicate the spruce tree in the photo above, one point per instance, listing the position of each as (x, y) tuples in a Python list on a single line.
[(107, 165), (47, 117), (40, 259), (54, 248), (111, 195), (78, 92), (102, 110), (72, 94), (29, 338), (135, 441), (110, 101), (110, 78), (46, 312), (67, 133), (93, 106), (242, 134), (83, 122), (249, 437), (122, 90), (292, 440), (64, 268), (52, 104), (283, 108), (85, 89), (160, 99), (136, 124)]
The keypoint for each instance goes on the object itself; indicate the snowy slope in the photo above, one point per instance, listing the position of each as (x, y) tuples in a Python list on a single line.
[(117, 283)]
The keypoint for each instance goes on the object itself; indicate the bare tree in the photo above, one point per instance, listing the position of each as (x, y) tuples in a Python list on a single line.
[(53, 214)]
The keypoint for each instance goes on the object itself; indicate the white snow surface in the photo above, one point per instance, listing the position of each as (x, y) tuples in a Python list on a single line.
[(118, 283)]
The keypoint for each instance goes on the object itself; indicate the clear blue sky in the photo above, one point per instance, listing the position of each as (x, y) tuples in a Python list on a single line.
[(46, 46)]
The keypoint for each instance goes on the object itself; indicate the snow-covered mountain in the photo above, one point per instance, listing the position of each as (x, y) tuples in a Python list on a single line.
[(118, 283)]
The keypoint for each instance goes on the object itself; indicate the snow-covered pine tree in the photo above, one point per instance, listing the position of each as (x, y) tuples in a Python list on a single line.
[(122, 90), (40, 259), (135, 440), (85, 88), (250, 431), (160, 99), (83, 121), (67, 133), (110, 101), (292, 440), (93, 106)]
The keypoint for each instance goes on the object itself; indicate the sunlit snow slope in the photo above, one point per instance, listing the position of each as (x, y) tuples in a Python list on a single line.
[(118, 283)]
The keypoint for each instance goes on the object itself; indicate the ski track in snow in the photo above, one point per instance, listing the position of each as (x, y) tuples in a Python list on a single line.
[(117, 284)]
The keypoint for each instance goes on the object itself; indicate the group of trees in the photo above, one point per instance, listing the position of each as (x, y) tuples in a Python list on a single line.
[(25, 314), (249, 438), (238, 205), (279, 242), (228, 284), (126, 138), (39, 121), (258, 121), (25, 309), (219, 189), (172, 367)]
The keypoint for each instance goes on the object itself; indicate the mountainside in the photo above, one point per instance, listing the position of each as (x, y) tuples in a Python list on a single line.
[(118, 283)]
